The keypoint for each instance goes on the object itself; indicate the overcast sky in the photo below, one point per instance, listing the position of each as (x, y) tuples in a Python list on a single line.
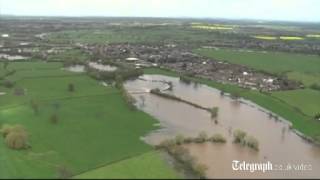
[(292, 10)]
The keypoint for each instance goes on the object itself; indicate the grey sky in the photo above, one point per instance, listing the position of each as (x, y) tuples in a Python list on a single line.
[(293, 10)]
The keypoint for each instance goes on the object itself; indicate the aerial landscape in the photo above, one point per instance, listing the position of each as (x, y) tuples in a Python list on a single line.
[(157, 97)]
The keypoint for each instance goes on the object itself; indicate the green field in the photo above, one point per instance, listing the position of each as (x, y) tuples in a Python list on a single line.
[(134, 35), (95, 126), (306, 78), (302, 122), (147, 166), (273, 62), (306, 100)]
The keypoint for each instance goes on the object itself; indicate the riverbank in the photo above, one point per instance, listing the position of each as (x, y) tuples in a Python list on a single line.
[(304, 124)]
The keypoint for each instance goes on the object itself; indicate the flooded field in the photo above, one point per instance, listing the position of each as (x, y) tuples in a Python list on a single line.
[(102, 67), (278, 144), (13, 57), (76, 68), (94, 65)]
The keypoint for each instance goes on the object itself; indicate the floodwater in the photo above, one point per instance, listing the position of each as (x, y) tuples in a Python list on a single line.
[(12, 57), (102, 67), (76, 68), (278, 144), (94, 65)]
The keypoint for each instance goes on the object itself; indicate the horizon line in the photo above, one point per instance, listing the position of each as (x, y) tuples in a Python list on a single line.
[(159, 17)]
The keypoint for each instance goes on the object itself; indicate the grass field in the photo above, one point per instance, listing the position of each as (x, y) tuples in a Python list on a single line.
[(95, 126), (306, 100), (70, 55), (147, 166), (135, 35), (304, 123), (306, 78), (274, 62)]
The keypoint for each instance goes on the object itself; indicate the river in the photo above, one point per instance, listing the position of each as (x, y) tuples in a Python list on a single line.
[(277, 143)]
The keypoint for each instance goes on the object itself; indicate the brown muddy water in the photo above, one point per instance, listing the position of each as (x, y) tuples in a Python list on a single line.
[(277, 143)]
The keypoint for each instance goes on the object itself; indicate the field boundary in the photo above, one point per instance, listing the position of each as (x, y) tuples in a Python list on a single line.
[(116, 161)]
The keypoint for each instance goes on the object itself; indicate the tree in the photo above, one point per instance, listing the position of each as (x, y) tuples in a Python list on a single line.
[(202, 137), (54, 119), (200, 169), (17, 140), (64, 172), (218, 138), (239, 136), (16, 136), (8, 84), (222, 93), (5, 129), (19, 91), (35, 107), (119, 81), (252, 143), (179, 139), (235, 95), (214, 112), (71, 87)]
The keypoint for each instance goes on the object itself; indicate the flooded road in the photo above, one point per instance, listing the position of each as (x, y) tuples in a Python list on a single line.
[(278, 144)]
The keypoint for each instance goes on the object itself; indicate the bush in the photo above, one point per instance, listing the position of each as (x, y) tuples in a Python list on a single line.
[(35, 107), (185, 79), (252, 143), (118, 81), (202, 137), (166, 144), (130, 101), (317, 116), (8, 84), (200, 170), (218, 138), (235, 95), (222, 93), (179, 139), (214, 112), (71, 87), (239, 136), (54, 119), (188, 140), (315, 86), (19, 91)]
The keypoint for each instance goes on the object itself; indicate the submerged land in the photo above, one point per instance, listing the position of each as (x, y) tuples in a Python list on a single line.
[(157, 98)]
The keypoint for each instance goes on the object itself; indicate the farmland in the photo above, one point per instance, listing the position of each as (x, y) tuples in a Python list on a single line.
[(93, 118), (148, 165), (273, 62)]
